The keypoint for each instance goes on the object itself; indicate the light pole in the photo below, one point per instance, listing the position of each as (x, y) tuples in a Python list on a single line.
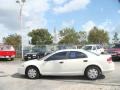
[(21, 4)]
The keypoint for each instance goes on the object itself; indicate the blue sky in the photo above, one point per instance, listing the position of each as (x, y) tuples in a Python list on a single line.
[(50, 14), (97, 11)]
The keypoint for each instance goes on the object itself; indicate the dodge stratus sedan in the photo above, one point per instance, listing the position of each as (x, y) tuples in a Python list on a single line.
[(68, 62)]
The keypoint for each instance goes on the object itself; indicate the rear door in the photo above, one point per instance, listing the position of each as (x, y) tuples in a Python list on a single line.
[(75, 64)]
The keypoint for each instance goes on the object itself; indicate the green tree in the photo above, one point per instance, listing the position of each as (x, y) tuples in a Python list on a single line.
[(70, 36), (13, 39), (40, 36), (115, 38), (67, 31), (98, 36), (83, 37)]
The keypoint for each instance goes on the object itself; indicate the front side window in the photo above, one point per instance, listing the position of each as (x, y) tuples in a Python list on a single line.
[(58, 56), (75, 55)]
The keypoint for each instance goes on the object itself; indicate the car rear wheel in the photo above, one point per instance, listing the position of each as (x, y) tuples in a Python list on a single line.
[(92, 72), (32, 72)]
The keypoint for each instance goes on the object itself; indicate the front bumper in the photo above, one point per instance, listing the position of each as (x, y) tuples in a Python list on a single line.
[(21, 70), (30, 57)]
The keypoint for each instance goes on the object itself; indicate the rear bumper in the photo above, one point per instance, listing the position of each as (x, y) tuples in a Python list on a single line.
[(109, 69), (7, 56)]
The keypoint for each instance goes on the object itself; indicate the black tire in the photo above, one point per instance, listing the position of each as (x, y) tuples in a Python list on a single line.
[(92, 72), (10, 59), (33, 70), (38, 57), (25, 59), (102, 52)]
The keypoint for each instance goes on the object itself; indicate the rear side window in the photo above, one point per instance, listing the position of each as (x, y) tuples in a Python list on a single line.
[(75, 55)]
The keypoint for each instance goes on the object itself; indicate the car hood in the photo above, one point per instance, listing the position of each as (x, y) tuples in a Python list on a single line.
[(31, 62), (30, 53)]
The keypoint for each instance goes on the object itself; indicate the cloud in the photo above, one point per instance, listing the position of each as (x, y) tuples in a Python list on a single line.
[(32, 10), (88, 26), (5, 32), (118, 11), (59, 2), (35, 7), (33, 16), (69, 23), (72, 5), (8, 14), (107, 25)]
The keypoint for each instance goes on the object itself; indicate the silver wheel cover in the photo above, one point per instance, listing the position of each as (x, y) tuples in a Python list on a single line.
[(93, 73), (32, 73)]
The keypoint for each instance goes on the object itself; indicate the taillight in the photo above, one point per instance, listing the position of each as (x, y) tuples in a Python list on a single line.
[(109, 60)]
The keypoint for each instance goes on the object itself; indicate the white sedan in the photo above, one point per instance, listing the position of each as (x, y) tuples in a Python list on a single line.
[(68, 62)]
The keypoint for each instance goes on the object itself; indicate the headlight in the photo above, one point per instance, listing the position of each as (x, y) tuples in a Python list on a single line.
[(34, 55)]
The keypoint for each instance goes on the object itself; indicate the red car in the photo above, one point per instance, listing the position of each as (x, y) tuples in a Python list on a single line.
[(7, 52), (114, 51)]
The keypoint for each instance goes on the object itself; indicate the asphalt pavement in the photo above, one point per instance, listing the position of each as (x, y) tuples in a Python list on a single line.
[(11, 80)]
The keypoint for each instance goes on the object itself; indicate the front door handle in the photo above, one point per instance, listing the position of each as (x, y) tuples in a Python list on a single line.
[(61, 62), (85, 60)]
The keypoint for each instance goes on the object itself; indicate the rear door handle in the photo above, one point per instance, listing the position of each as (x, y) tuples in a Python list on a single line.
[(85, 60), (61, 62)]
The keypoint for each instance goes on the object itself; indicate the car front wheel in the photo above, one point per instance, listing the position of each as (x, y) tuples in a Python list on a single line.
[(92, 72), (32, 73)]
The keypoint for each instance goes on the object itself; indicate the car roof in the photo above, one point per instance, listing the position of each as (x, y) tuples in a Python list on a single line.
[(79, 50)]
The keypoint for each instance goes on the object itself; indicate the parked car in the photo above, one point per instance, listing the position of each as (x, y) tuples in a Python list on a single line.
[(114, 50), (68, 62), (7, 52), (95, 48), (35, 54)]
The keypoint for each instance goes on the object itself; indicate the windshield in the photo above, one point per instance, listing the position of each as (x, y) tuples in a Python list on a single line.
[(116, 46), (87, 47)]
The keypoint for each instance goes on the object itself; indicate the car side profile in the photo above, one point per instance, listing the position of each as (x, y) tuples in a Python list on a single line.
[(69, 62)]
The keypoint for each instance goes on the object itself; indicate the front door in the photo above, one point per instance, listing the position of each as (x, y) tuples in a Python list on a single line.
[(53, 65)]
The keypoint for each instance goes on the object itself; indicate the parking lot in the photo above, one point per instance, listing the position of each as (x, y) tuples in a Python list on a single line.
[(10, 80)]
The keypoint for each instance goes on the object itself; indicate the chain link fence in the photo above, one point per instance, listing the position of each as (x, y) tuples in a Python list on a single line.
[(43, 48)]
